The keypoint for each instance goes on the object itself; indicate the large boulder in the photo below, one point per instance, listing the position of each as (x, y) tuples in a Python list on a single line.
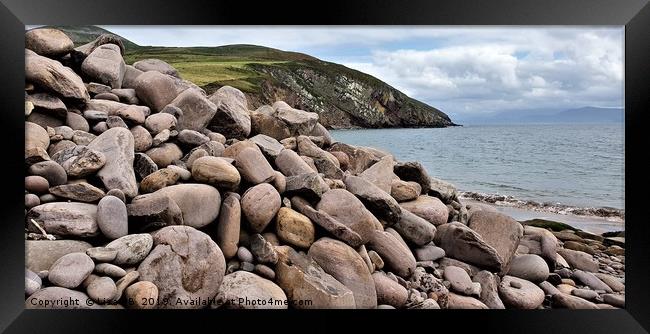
[(229, 225), (154, 89), (117, 145), (105, 65), (48, 42), (290, 163), (216, 171), (414, 229), (199, 203), (158, 65), (65, 219), (302, 279), (343, 206), (499, 231), (462, 243), (520, 294), (294, 228), (197, 110), (360, 158), (244, 290), (413, 171), (381, 173), (54, 77), (185, 265), (131, 249), (102, 39), (579, 260), (389, 292), (298, 122), (260, 204), (429, 208), (346, 265), (41, 254), (397, 256), (70, 270), (530, 267), (232, 118), (375, 199)]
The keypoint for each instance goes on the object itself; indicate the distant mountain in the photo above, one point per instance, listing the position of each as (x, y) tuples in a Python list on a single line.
[(578, 115), (343, 97)]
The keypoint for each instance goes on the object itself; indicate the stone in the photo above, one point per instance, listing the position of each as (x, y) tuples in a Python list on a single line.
[(327, 222), (346, 265), (244, 255), (143, 165), (80, 192), (102, 39), (614, 283), (141, 295), (131, 249), (216, 171), (302, 278), (232, 118), (48, 42), (77, 122), (126, 95), (578, 246), (107, 96), (41, 254), (429, 253), (343, 159), (48, 103), (156, 123), (36, 184), (82, 138), (309, 185), (183, 173), (70, 270), (67, 299), (460, 281), (464, 302), (185, 264), (110, 270), (498, 231), (105, 65), (381, 173), (306, 147), (134, 115), (403, 191), (396, 256), (295, 228), (33, 282), (155, 65), (253, 167), (414, 229), (157, 180), (520, 294), (564, 300), (112, 218), (388, 291), (102, 290), (244, 290), (462, 243), (547, 241), (375, 199), (130, 74), (31, 201), (65, 219), (585, 294), (51, 171), (530, 267), (197, 110), (154, 89), (376, 260), (192, 138), (80, 161), (228, 227), (297, 121), (36, 136), (590, 280), (165, 154), (429, 208), (259, 205), (142, 139), (265, 271), (124, 282), (280, 182), (614, 300), (268, 145), (413, 171), (290, 163), (263, 250), (117, 145), (199, 203), (52, 76), (489, 291), (579, 260), (101, 254), (344, 207), (442, 189)]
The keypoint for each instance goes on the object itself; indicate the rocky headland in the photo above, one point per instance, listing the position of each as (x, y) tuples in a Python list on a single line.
[(144, 191)]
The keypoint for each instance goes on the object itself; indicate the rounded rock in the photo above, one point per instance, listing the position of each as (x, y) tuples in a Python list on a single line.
[(520, 294), (216, 171), (142, 295), (295, 228), (131, 249), (530, 267), (52, 171), (102, 290), (259, 205), (36, 184), (112, 217), (70, 270)]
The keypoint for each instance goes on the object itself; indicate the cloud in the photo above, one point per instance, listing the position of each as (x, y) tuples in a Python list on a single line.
[(461, 70)]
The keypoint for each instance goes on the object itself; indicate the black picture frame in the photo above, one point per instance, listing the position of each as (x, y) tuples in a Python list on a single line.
[(633, 14)]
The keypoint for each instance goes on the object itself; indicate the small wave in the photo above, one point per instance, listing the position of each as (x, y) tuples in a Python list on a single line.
[(612, 214)]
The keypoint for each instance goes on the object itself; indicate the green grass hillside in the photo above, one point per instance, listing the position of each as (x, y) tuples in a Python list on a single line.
[(342, 96)]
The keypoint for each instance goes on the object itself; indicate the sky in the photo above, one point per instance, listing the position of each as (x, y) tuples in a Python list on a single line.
[(463, 71)]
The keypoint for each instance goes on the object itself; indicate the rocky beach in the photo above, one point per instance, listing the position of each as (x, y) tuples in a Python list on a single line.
[(143, 191)]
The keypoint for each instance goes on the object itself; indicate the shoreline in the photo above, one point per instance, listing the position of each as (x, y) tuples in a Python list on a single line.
[(593, 224)]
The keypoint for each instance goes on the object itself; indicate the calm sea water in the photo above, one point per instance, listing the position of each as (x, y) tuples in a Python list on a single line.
[(572, 164)]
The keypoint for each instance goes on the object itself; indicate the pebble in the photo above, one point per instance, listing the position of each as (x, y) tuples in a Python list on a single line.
[(101, 254), (244, 255), (142, 295), (112, 218), (102, 290), (110, 270), (70, 270)]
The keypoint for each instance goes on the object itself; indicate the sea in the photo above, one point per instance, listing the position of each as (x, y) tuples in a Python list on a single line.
[(558, 168)]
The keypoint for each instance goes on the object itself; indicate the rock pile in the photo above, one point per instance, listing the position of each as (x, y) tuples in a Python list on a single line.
[(144, 192)]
